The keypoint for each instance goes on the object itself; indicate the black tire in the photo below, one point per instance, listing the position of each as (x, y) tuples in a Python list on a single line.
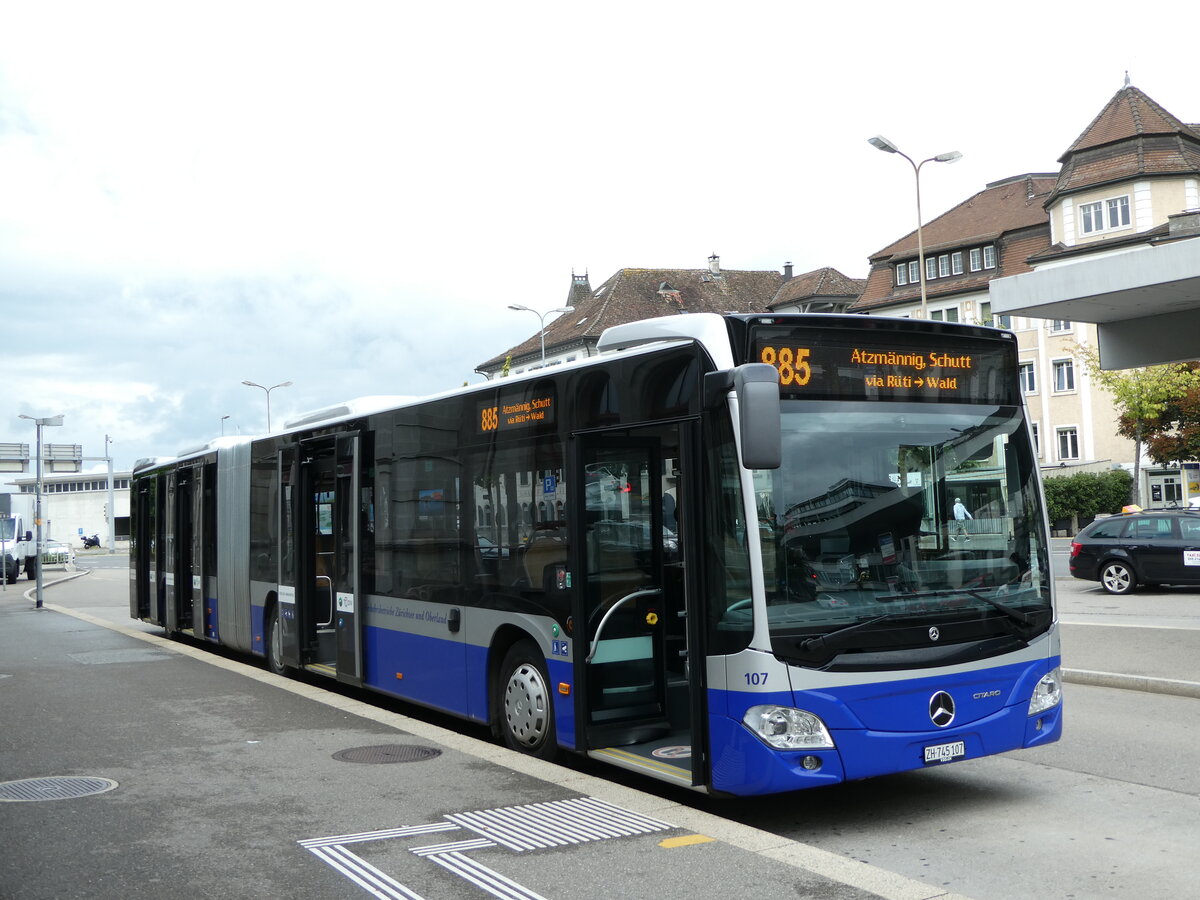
[(273, 639), (525, 702), (31, 568), (1117, 577)]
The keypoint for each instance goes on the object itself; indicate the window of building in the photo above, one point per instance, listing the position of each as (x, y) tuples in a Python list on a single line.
[(976, 259), (1104, 215), (1060, 325), (902, 274), (1068, 443), (1118, 212), (944, 265), (930, 268), (1028, 378), (914, 272), (956, 262), (1064, 375), (989, 256), (1037, 438)]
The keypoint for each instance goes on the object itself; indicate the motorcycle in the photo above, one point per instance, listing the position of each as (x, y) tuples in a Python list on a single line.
[(89, 542)]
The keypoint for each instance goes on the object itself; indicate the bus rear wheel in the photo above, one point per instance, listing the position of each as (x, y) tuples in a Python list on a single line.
[(526, 704)]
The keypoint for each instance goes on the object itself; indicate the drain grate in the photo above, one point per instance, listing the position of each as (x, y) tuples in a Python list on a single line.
[(55, 787), (387, 753)]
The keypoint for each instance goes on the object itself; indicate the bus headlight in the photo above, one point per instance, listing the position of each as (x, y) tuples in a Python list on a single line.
[(1047, 694), (787, 728)]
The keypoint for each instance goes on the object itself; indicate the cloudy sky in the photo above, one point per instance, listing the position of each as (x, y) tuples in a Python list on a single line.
[(349, 195)]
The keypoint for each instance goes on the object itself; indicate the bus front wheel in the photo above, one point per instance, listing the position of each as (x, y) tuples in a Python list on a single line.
[(526, 704)]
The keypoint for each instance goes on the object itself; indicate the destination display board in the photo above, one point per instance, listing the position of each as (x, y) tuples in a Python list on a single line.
[(516, 410), (846, 364)]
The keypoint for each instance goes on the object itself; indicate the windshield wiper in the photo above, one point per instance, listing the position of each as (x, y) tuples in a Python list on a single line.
[(1015, 614), (835, 640)]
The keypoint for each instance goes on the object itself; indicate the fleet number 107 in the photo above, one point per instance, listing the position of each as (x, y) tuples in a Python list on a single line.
[(756, 678), (790, 362)]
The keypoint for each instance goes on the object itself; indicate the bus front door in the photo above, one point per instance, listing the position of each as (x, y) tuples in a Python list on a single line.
[(326, 630), (642, 695)]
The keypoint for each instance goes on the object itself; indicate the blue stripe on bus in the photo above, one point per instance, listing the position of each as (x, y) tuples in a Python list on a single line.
[(450, 675), (258, 646), (900, 727)]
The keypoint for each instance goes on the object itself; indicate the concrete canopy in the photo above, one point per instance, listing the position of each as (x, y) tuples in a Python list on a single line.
[(1144, 302)]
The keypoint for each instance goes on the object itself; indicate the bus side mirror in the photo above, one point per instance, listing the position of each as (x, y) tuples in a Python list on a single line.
[(757, 389)]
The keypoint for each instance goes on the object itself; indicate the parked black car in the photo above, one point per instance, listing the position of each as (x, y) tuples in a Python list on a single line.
[(1148, 548)]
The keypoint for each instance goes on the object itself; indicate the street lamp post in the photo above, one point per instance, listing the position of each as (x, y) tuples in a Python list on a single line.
[(879, 142), (268, 393), (110, 506), (223, 418), (37, 503), (542, 320)]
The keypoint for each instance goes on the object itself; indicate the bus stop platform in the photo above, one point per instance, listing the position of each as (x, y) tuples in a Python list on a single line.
[(135, 766)]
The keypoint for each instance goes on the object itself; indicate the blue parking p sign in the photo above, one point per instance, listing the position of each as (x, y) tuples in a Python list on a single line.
[(548, 484)]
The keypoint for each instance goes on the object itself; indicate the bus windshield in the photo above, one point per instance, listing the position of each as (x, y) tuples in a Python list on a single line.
[(902, 528)]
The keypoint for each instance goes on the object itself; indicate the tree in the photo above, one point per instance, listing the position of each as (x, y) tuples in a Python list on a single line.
[(1174, 436), (1141, 396)]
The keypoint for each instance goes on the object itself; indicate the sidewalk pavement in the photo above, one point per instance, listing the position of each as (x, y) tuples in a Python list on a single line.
[(171, 769)]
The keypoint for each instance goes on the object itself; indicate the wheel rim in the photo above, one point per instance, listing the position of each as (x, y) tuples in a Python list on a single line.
[(276, 643), (525, 703), (1116, 579)]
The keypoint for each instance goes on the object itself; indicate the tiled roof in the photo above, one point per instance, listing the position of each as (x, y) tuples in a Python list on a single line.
[(633, 294), (1008, 213), (1130, 113), (1000, 207), (825, 282), (1131, 137)]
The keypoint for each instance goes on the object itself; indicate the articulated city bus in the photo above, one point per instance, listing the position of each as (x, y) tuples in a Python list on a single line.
[(722, 552)]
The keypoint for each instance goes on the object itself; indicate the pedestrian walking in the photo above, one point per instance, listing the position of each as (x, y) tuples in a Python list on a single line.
[(961, 514)]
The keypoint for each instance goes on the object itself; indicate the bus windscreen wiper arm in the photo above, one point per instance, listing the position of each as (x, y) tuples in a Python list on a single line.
[(837, 639), (1015, 614)]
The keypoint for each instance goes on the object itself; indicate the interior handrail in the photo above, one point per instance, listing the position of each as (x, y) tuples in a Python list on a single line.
[(645, 592)]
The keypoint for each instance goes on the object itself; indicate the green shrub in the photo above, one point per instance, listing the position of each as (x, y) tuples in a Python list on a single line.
[(1087, 494)]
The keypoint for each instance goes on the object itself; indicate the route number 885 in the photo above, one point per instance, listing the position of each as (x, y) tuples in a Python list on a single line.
[(791, 363)]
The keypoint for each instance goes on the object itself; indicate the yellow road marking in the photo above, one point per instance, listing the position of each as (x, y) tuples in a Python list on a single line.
[(685, 841)]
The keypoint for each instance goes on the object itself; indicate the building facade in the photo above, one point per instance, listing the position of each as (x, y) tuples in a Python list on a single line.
[(78, 504), (1124, 251)]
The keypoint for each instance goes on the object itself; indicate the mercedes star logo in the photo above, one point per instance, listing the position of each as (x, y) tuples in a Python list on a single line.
[(941, 709), (934, 634)]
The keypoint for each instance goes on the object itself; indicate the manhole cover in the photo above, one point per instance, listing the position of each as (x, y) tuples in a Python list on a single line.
[(55, 787), (387, 753)]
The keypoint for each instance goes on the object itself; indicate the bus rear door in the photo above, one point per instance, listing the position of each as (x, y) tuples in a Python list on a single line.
[(642, 671)]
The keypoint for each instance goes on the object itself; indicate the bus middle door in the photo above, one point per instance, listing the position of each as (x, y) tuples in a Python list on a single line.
[(327, 621)]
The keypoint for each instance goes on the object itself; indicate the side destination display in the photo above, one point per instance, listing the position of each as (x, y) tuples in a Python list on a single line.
[(843, 364), (516, 410)]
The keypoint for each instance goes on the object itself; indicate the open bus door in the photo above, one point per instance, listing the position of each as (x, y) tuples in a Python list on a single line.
[(640, 650), (183, 496), (144, 537), (319, 603)]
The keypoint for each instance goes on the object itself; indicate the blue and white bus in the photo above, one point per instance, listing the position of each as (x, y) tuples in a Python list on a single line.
[(721, 552)]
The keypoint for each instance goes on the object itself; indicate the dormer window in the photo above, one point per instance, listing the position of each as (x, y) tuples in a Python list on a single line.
[(1104, 215)]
